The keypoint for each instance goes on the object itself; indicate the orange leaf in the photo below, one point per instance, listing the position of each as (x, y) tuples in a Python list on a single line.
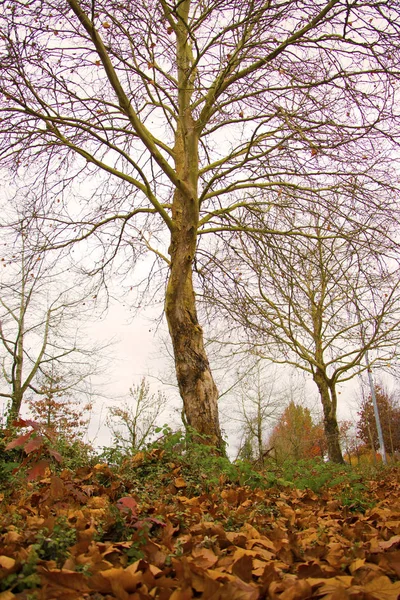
[(180, 594), (180, 483), (124, 581), (356, 564), (6, 562), (7, 595)]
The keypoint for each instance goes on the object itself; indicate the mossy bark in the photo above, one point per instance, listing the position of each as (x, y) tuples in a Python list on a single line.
[(329, 403)]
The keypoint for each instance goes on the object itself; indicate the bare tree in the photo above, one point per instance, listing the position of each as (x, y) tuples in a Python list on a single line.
[(320, 304), (41, 312), (176, 120), (133, 422), (259, 403)]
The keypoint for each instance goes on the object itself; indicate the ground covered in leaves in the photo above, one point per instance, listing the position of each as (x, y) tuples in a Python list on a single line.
[(153, 530)]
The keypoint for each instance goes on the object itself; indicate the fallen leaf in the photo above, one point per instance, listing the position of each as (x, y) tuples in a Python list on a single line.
[(7, 595), (382, 588), (6, 562), (243, 567), (204, 557), (179, 483)]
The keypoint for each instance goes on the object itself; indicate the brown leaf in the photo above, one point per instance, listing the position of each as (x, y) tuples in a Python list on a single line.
[(20, 441), (179, 483), (33, 444), (127, 505), (179, 594), (57, 488), (64, 578), (382, 588), (243, 567), (392, 560), (393, 541), (204, 557), (290, 589)]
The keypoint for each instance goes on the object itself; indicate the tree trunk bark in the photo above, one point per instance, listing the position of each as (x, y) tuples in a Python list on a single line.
[(15, 407), (196, 384), (328, 399)]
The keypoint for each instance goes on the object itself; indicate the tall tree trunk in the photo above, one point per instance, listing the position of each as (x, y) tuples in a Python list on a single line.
[(328, 399), (196, 384)]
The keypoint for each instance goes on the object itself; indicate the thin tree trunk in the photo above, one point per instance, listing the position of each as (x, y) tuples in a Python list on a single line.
[(371, 441)]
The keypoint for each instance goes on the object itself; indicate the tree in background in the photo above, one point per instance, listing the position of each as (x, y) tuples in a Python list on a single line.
[(149, 127), (58, 411), (133, 423), (258, 405), (389, 412), (349, 440), (41, 331), (319, 304), (296, 436)]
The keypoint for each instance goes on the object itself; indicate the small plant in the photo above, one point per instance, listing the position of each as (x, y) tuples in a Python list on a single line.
[(355, 497), (313, 474), (37, 444), (55, 544), (26, 578), (48, 545), (9, 462)]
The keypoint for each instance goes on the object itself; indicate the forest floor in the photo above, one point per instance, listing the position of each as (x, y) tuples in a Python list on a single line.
[(154, 529)]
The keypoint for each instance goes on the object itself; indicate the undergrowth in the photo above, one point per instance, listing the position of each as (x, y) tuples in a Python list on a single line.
[(180, 461)]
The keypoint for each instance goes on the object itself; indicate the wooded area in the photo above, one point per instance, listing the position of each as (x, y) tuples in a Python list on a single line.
[(237, 163)]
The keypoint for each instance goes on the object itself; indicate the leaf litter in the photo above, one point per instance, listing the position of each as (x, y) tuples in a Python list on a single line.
[(93, 535)]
